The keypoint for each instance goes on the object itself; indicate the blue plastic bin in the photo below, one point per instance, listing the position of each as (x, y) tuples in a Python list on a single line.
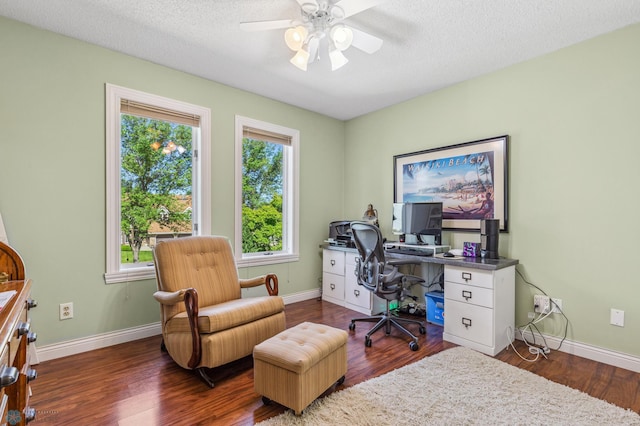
[(435, 307)]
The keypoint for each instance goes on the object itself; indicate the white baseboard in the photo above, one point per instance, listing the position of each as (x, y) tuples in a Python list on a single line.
[(98, 341), (606, 356)]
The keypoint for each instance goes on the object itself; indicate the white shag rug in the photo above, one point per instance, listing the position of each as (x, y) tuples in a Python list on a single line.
[(458, 387)]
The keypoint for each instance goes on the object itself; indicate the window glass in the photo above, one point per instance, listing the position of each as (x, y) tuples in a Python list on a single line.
[(267, 197)]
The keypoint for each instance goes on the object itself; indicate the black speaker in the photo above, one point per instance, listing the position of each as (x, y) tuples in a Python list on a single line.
[(489, 234)]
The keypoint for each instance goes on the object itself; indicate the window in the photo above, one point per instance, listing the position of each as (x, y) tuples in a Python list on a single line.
[(158, 174), (267, 173)]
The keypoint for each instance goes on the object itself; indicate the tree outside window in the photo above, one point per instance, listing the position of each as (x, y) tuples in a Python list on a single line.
[(155, 181)]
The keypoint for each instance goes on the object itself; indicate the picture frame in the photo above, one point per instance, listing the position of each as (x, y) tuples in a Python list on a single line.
[(470, 179)]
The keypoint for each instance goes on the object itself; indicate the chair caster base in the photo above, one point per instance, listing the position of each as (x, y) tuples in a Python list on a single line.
[(414, 346)]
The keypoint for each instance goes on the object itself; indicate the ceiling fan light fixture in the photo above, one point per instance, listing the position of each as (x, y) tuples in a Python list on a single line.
[(337, 58), (295, 37), (301, 59), (342, 36)]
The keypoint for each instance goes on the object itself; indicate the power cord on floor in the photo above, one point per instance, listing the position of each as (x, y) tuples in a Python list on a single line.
[(535, 348)]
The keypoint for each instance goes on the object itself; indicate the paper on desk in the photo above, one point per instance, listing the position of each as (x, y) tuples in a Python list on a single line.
[(5, 296)]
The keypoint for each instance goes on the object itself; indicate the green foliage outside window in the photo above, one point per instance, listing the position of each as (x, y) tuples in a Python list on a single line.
[(262, 183), (155, 179)]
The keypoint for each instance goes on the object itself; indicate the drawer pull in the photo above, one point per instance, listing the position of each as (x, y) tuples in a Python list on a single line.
[(31, 303), (8, 376), (466, 294), (466, 322), (31, 374), (333, 262), (466, 276), (333, 286), (356, 292), (32, 336), (29, 414), (23, 328)]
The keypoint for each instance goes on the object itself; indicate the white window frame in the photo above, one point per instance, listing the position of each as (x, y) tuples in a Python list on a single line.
[(290, 198), (201, 213)]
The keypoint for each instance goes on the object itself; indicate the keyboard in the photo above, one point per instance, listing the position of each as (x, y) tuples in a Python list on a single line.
[(410, 251)]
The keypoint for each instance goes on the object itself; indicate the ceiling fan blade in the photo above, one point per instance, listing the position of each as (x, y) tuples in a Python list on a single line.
[(266, 25), (366, 42), (313, 48), (351, 7)]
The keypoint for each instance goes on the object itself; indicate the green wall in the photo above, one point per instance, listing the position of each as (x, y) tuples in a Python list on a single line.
[(574, 125), (52, 174), (572, 117)]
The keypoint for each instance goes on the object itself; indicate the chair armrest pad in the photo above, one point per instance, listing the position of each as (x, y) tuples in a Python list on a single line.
[(269, 280), (252, 282), (169, 298)]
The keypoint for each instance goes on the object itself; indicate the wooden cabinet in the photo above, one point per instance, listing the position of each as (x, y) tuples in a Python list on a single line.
[(16, 337), (479, 307), (340, 286)]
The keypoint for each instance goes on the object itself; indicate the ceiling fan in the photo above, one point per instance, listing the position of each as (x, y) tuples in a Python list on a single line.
[(322, 19)]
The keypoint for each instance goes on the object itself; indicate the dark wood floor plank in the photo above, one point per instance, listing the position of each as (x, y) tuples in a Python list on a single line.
[(136, 384)]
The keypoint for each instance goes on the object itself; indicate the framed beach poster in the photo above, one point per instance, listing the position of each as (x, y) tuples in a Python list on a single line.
[(470, 179)]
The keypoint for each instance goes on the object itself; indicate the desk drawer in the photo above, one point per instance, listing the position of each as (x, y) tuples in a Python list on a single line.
[(469, 294), (350, 261), (333, 261), (333, 286), (469, 322), (468, 276)]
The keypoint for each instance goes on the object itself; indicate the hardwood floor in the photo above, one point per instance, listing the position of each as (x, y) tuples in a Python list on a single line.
[(136, 384)]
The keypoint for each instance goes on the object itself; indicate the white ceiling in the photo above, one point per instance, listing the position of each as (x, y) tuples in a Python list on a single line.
[(428, 44)]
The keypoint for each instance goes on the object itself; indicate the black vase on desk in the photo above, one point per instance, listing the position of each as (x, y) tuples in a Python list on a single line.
[(489, 234)]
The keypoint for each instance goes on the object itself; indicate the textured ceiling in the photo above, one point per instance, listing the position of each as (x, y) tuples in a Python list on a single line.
[(428, 44)]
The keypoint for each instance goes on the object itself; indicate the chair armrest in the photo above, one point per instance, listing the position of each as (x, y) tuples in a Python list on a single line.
[(169, 298), (269, 280), (191, 305), (190, 298)]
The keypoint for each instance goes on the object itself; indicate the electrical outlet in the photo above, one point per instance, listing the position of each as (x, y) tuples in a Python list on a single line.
[(556, 306), (541, 304), (66, 311), (617, 317)]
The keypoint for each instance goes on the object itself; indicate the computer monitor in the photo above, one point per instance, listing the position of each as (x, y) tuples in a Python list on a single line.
[(419, 220)]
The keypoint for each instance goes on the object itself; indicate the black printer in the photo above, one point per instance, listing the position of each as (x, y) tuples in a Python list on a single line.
[(340, 233)]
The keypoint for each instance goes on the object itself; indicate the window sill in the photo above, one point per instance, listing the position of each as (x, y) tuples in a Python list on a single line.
[(133, 274), (264, 259)]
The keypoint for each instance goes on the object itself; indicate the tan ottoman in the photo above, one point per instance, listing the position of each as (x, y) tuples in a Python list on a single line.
[(297, 365)]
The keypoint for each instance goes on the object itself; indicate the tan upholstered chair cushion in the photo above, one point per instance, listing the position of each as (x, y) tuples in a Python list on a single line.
[(227, 315)]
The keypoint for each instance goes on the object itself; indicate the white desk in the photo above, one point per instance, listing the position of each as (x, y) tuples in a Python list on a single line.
[(479, 295)]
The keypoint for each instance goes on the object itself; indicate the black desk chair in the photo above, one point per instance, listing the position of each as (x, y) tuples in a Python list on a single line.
[(383, 279)]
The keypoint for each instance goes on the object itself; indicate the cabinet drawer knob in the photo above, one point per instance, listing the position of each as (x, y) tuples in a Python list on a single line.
[(466, 322), (356, 292), (333, 286), (32, 336), (8, 375), (31, 374), (333, 262), (466, 276), (466, 294), (29, 414), (23, 328), (31, 303)]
